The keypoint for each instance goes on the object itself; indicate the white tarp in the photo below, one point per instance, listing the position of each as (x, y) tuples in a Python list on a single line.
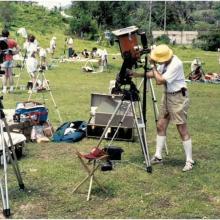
[(16, 139), (22, 31)]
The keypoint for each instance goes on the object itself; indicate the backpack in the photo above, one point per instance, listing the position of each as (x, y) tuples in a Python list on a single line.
[(196, 74), (3, 48), (70, 132), (30, 111)]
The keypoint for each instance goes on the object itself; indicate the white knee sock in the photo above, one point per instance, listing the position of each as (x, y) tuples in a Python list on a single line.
[(187, 145), (4, 88), (159, 146)]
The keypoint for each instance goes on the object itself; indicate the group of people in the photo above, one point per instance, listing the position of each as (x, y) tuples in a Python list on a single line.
[(32, 52)]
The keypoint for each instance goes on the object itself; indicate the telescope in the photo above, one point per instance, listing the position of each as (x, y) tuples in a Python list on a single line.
[(131, 53)]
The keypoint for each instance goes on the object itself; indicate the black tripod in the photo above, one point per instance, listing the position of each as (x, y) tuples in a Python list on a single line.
[(132, 96), (12, 158)]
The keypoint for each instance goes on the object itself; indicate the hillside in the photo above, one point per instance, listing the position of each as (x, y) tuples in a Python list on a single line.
[(31, 16)]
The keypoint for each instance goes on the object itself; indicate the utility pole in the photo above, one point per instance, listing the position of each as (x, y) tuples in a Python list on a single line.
[(165, 17), (149, 27)]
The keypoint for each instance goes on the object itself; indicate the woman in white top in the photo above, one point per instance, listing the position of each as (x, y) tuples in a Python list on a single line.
[(31, 61)]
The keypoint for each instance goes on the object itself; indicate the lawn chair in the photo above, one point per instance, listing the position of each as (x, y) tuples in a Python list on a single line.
[(91, 162)]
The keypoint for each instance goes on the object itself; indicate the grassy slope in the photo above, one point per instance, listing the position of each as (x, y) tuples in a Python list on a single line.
[(50, 170)]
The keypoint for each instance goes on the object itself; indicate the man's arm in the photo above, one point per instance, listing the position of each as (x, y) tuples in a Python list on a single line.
[(158, 77), (150, 74)]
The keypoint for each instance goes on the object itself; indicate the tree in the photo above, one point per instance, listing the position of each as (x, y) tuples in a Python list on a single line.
[(82, 23), (210, 40), (7, 12)]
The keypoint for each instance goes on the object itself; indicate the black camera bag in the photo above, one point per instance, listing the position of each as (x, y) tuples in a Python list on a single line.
[(114, 152)]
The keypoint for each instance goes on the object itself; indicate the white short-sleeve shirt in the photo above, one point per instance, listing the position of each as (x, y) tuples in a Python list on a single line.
[(31, 65), (70, 42), (31, 48), (173, 73)]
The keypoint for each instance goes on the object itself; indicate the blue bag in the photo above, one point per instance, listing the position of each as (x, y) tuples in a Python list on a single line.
[(70, 132)]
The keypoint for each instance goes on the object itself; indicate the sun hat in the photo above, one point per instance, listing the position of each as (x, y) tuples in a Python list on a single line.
[(161, 53)]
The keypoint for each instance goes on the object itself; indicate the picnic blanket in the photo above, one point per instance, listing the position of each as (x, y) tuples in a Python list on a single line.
[(208, 78)]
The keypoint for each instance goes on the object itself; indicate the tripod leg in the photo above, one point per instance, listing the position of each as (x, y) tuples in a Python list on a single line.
[(155, 107), (13, 160), (53, 100), (144, 133), (6, 209), (16, 86), (120, 123), (143, 141), (34, 86), (57, 110), (3, 195)]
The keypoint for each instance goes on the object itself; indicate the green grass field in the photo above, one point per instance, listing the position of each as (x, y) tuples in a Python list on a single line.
[(50, 171)]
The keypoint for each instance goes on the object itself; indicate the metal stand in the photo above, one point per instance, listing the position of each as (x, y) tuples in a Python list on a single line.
[(89, 67), (133, 98), (155, 107), (13, 159), (41, 76)]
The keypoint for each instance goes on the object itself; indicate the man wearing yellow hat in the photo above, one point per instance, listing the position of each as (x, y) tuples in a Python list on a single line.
[(174, 103)]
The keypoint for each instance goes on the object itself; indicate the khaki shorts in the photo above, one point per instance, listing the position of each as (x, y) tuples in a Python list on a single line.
[(174, 107)]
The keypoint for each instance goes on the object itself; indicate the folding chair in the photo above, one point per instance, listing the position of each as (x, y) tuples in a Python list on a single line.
[(94, 158)]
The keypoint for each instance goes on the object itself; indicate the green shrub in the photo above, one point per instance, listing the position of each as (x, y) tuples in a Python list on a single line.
[(163, 39), (209, 41)]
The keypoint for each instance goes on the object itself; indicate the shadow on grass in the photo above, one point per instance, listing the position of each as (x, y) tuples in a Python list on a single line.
[(174, 162), (29, 192), (98, 192)]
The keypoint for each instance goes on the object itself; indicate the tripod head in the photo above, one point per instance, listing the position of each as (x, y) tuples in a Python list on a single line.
[(42, 68)]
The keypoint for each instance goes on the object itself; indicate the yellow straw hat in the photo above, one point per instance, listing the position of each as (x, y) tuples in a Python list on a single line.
[(161, 53)]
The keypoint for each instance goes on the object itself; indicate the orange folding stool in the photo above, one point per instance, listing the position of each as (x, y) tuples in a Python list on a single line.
[(94, 159)]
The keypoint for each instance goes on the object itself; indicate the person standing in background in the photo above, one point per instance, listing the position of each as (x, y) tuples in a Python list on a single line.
[(7, 64), (70, 50)]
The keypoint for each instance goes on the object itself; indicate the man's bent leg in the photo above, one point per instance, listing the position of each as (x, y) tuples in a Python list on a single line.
[(4, 80), (162, 125)]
